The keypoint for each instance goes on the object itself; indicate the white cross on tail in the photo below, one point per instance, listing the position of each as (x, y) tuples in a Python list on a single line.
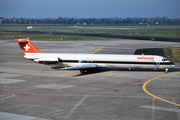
[(27, 47)]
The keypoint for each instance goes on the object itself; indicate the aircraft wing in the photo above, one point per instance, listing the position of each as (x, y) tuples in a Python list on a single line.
[(80, 67)]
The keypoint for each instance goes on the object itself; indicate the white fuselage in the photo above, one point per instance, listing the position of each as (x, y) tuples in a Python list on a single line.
[(102, 60)]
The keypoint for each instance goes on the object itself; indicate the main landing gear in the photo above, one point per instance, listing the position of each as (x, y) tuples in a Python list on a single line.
[(83, 71)]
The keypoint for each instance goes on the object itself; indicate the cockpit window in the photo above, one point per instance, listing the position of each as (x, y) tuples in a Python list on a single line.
[(164, 59)]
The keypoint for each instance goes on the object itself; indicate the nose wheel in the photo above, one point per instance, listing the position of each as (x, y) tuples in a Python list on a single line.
[(166, 70)]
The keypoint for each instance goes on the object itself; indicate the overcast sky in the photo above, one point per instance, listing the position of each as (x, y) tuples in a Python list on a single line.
[(89, 8)]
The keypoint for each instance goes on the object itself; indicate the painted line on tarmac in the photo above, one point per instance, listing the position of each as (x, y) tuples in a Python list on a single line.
[(160, 108), (8, 97), (75, 107), (97, 50), (159, 98), (176, 108)]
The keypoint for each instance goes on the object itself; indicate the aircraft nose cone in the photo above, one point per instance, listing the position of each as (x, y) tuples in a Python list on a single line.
[(173, 65)]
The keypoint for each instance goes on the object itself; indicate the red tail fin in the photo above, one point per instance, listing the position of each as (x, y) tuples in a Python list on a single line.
[(27, 47)]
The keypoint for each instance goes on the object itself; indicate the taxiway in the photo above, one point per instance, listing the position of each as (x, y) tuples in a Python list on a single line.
[(31, 91)]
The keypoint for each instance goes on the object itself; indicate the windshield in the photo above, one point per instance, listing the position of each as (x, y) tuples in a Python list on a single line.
[(164, 59)]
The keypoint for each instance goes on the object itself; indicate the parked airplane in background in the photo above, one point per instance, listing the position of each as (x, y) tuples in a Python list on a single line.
[(84, 62)]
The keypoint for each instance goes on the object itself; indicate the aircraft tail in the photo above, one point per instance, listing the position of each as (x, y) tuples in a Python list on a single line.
[(27, 46)]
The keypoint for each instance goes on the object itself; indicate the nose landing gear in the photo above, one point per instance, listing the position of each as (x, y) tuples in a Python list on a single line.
[(166, 70)]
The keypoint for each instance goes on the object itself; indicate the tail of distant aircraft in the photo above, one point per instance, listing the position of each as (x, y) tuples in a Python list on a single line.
[(26, 45)]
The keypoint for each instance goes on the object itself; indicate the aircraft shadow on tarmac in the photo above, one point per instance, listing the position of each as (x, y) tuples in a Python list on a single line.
[(100, 70)]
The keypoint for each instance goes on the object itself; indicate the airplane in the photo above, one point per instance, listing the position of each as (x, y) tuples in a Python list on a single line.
[(85, 62)]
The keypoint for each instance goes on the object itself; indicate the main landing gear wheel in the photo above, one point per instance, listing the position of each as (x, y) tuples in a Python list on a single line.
[(83, 71), (166, 70)]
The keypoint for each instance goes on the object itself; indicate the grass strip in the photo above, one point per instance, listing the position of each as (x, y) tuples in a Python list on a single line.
[(172, 54)]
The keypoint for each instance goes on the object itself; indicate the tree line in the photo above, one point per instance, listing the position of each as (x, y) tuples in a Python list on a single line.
[(90, 21)]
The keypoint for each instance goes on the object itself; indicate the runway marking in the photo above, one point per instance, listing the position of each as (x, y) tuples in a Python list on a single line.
[(75, 107), (159, 98), (55, 86), (176, 108), (97, 50), (153, 109), (10, 81), (160, 108), (12, 116), (8, 97)]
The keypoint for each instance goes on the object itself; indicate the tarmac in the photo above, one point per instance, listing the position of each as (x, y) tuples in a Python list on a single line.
[(31, 91)]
